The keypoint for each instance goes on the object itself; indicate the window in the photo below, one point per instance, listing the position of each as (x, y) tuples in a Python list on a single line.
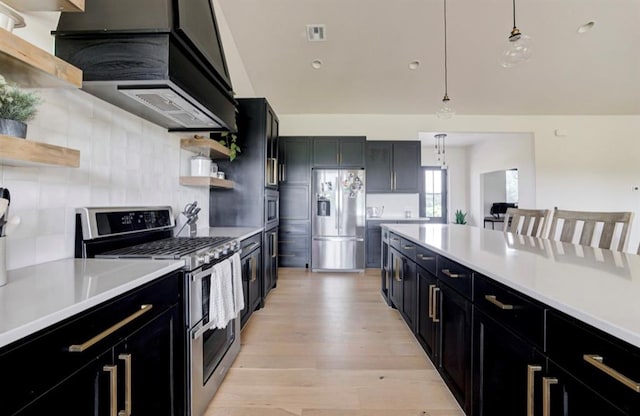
[(433, 195), (511, 181)]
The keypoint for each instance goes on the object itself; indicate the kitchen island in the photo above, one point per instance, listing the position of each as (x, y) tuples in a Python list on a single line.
[(504, 317)]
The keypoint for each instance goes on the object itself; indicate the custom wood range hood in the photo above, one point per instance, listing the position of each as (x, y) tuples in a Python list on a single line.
[(159, 59)]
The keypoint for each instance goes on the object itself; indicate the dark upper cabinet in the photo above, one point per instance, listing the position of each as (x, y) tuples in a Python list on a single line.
[(295, 160), (393, 166), (254, 170), (339, 152)]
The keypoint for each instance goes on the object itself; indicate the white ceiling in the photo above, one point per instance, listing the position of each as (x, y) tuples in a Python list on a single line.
[(371, 42)]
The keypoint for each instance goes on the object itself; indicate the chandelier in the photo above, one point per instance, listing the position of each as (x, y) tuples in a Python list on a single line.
[(440, 148)]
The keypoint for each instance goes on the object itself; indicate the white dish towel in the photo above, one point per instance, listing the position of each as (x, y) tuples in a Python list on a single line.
[(221, 298), (238, 295)]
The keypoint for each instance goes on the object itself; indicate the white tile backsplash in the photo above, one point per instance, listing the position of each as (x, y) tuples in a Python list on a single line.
[(124, 161), (395, 204)]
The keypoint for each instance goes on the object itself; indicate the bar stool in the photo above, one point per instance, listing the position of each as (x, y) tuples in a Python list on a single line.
[(567, 224), (529, 222)]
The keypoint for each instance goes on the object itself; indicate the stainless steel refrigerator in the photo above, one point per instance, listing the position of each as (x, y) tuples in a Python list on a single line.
[(338, 220)]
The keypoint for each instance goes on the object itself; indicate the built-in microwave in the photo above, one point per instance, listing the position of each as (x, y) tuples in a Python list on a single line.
[(271, 208)]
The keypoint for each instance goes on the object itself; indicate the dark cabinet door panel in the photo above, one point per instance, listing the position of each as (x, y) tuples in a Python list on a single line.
[(379, 169), (395, 289), (455, 316), (373, 245), (427, 324), (409, 293), (295, 160), (502, 365), (325, 152), (406, 164), (352, 152), (294, 202)]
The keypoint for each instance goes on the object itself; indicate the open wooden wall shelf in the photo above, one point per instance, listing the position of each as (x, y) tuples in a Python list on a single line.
[(46, 5), (206, 181), (21, 152), (31, 67), (205, 146)]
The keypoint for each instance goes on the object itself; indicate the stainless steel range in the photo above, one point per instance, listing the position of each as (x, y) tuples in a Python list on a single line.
[(146, 232)]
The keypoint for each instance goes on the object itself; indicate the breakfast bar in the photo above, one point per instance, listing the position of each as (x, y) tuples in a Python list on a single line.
[(516, 324)]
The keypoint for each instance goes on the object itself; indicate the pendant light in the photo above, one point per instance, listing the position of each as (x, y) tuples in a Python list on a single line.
[(440, 148), (518, 48), (446, 110)]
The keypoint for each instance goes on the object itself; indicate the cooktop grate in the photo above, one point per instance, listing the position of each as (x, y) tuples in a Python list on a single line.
[(168, 248)]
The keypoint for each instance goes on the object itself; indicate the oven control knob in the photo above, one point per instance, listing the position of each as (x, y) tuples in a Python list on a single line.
[(216, 254)]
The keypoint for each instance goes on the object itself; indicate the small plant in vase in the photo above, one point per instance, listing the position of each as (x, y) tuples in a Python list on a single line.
[(229, 140), (17, 107), (461, 217)]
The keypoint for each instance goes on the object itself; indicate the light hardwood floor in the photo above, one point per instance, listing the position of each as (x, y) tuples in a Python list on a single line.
[(326, 344)]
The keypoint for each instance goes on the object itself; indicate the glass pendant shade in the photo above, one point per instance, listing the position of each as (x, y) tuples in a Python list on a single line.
[(446, 109), (517, 50)]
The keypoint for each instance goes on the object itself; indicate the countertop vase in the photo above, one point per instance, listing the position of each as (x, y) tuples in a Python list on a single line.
[(13, 128)]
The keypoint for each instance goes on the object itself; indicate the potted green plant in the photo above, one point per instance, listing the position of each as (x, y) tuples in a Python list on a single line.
[(229, 140), (17, 107), (461, 217)]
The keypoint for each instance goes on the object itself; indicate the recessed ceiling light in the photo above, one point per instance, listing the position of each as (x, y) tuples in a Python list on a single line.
[(586, 27), (316, 64), (413, 65)]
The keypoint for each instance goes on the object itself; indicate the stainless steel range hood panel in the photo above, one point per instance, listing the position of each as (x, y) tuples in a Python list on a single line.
[(174, 53)]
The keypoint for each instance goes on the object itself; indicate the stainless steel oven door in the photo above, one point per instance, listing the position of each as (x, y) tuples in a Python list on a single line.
[(271, 208), (212, 352)]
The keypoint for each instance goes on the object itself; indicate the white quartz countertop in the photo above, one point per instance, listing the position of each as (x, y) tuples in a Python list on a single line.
[(397, 218), (235, 232), (598, 287), (36, 297)]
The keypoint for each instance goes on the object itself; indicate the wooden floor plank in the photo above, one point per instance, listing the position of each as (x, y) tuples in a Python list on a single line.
[(327, 345)]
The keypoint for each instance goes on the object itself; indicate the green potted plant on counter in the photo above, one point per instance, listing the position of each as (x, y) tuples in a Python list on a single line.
[(461, 217), (17, 107)]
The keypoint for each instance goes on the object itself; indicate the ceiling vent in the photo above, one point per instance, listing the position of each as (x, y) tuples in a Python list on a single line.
[(316, 33)]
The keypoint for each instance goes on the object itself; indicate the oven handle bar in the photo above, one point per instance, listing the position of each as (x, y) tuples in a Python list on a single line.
[(91, 342)]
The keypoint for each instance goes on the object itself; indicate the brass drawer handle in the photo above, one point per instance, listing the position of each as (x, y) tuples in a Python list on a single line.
[(546, 394), (598, 362), (395, 239), (113, 388), (435, 307), (431, 287), (531, 370), (252, 265), (426, 258), (89, 343), (448, 273), (405, 247), (127, 385), (492, 299)]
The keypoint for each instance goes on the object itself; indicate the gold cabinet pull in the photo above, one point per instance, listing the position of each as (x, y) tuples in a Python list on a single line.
[(426, 258), (598, 362), (252, 264), (274, 242), (435, 303), (395, 239), (407, 247), (89, 343), (396, 269), (531, 373), (448, 273), (546, 394), (113, 388), (431, 287), (127, 385), (492, 299)]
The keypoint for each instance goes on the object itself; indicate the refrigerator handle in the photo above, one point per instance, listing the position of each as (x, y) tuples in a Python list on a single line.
[(338, 203)]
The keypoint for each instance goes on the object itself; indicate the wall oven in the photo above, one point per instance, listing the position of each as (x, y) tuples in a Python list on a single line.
[(146, 232), (271, 208)]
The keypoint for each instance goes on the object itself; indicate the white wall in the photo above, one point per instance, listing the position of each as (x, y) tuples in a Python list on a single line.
[(507, 152), (457, 177), (493, 189), (594, 167)]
